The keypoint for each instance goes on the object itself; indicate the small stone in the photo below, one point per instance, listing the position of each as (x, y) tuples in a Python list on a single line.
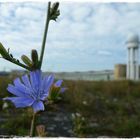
[(70, 131), (65, 118), (94, 124), (103, 137), (65, 128), (54, 125), (57, 119), (50, 128)]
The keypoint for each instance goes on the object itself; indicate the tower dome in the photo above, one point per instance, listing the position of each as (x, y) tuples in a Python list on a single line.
[(133, 38), (133, 41)]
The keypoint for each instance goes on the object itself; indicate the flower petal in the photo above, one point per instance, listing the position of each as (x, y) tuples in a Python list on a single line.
[(38, 105), (44, 96), (62, 90), (21, 87), (20, 101), (35, 78), (47, 82), (17, 82), (26, 81), (58, 83), (12, 89)]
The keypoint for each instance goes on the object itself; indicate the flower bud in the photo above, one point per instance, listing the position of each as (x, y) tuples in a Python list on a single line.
[(26, 60), (34, 56), (55, 7), (4, 52), (35, 60), (54, 93), (54, 11)]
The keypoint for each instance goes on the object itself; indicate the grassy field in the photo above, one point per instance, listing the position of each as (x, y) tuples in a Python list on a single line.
[(110, 108), (100, 108)]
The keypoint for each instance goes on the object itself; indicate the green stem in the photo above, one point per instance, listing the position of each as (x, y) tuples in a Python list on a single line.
[(45, 35), (32, 129), (19, 64)]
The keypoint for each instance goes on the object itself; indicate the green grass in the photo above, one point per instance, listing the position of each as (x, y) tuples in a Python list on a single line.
[(114, 106)]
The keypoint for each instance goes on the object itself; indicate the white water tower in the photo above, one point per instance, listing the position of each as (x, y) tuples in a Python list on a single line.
[(133, 57)]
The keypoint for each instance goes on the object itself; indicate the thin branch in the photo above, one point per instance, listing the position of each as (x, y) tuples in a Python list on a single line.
[(45, 35)]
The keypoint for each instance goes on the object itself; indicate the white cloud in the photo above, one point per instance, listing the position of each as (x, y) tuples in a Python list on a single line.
[(80, 12), (84, 36), (28, 13), (103, 52)]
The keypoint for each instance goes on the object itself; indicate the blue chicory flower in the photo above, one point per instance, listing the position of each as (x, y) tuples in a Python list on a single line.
[(31, 90)]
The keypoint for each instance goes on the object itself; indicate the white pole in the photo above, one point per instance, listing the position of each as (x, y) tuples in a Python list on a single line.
[(128, 64), (137, 63), (134, 64)]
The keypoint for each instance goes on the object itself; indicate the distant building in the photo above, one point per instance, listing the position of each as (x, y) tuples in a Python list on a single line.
[(120, 72), (89, 75)]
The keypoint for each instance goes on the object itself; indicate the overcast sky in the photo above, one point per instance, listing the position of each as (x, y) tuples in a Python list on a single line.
[(86, 36)]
